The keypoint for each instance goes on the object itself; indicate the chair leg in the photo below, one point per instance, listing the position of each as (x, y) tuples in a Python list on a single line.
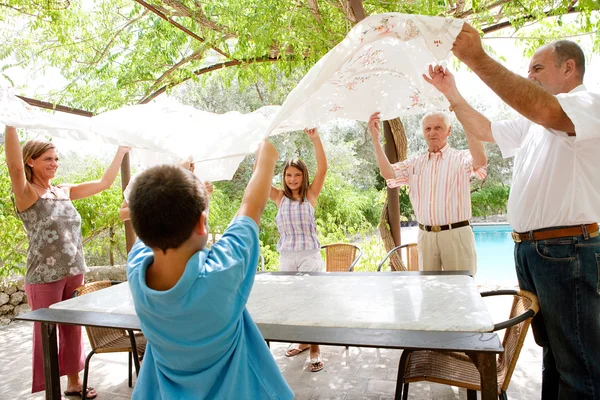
[(405, 392), (503, 395), (347, 347), (471, 394), (130, 358), (86, 370), (400, 380), (134, 353)]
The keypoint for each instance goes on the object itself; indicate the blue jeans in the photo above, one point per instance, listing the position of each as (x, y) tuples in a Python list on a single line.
[(564, 273)]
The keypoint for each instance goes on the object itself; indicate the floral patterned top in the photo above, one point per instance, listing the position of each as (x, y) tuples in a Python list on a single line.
[(55, 244)]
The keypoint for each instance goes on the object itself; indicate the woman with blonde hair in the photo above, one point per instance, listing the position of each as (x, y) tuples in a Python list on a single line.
[(55, 261), (298, 246)]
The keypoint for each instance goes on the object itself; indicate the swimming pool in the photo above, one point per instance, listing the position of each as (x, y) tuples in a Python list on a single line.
[(495, 254)]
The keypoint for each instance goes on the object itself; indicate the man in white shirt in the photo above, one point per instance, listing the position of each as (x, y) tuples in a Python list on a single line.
[(554, 203)]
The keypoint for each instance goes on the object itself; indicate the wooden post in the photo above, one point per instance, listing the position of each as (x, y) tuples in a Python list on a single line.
[(393, 199), (125, 177)]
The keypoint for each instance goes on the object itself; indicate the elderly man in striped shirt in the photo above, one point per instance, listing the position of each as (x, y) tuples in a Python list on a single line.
[(440, 193)]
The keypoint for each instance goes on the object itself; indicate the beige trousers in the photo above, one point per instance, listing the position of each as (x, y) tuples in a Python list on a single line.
[(449, 250)]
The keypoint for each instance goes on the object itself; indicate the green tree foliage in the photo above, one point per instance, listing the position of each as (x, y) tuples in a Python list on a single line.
[(490, 200), (13, 238), (102, 231), (117, 52)]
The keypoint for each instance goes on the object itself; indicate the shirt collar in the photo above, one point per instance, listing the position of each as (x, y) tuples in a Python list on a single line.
[(441, 152), (580, 88)]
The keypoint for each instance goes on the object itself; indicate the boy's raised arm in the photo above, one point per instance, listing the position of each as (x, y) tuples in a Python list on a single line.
[(258, 189)]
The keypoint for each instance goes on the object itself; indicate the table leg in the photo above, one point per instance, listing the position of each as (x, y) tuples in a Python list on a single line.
[(50, 348), (486, 364)]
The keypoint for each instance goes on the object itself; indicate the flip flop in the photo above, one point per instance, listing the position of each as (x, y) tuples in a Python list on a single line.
[(79, 393), (294, 351), (316, 364)]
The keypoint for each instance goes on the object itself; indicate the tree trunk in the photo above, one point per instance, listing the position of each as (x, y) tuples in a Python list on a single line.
[(389, 224), (125, 177), (111, 239)]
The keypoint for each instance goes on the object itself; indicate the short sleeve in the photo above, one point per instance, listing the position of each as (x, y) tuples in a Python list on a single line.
[(238, 249), (139, 251), (401, 171), (583, 108), (509, 135)]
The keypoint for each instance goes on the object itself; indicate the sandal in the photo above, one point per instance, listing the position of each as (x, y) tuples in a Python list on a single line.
[(316, 364), (79, 393), (294, 349)]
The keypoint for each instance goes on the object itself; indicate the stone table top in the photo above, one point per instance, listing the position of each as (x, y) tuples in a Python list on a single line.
[(357, 300)]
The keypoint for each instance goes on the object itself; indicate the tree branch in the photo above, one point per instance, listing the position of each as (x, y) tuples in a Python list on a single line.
[(194, 56), (96, 233), (357, 10), (181, 27), (506, 24), (471, 11), (314, 9), (205, 70), (114, 37), (17, 9)]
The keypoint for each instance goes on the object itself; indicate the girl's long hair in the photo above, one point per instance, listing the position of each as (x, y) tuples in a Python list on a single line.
[(300, 165)]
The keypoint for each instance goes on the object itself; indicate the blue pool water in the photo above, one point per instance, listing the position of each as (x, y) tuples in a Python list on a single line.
[(495, 254)]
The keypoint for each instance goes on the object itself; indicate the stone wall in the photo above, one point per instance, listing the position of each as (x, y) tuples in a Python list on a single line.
[(107, 273), (13, 300)]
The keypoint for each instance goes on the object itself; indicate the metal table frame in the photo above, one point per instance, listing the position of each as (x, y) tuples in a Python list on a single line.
[(482, 348)]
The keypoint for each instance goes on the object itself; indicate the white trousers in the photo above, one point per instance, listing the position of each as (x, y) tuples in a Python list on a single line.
[(449, 250), (300, 261)]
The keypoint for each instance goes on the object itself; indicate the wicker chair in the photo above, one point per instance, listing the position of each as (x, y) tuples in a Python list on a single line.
[(341, 257), (109, 340), (412, 256), (457, 369)]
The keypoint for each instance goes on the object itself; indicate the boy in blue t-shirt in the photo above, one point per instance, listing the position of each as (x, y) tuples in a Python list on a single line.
[(191, 301)]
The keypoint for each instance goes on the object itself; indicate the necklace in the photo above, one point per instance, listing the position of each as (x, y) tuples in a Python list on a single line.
[(50, 189)]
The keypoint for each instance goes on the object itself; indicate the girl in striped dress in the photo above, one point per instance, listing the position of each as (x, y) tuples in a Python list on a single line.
[(298, 246)]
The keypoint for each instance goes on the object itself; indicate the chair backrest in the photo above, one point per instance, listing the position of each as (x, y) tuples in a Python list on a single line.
[(98, 336), (524, 307), (341, 257), (412, 257)]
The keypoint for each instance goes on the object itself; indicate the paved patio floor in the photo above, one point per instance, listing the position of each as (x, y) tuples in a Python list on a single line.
[(356, 373)]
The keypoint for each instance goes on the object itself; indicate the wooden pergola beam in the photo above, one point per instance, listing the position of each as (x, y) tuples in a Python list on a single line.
[(56, 107)]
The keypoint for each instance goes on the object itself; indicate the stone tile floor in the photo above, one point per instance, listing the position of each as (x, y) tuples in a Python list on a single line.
[(356, 373)]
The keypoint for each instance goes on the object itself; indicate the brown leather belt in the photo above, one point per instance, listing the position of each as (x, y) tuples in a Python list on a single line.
[(439, 228), (587, 231)]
